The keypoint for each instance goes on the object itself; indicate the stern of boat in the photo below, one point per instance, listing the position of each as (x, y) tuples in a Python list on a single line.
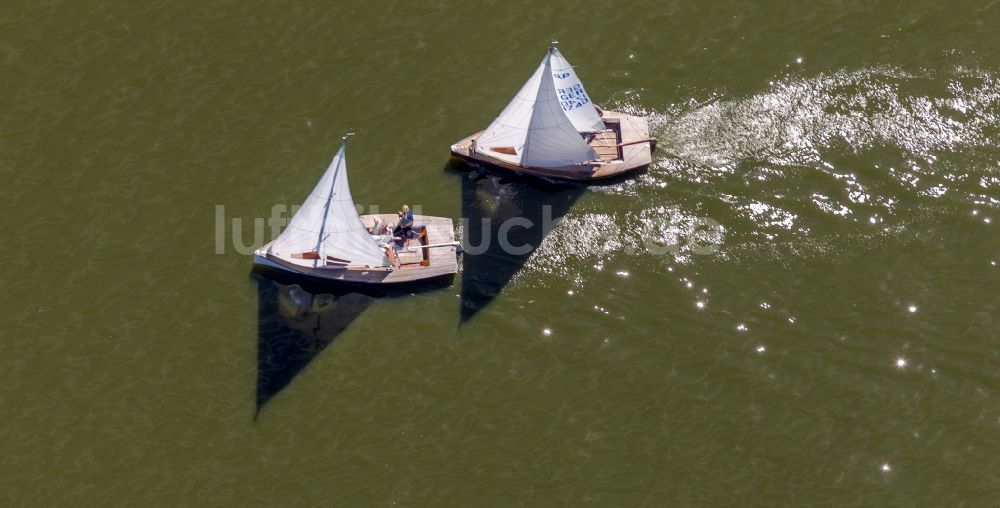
[(428, 253)]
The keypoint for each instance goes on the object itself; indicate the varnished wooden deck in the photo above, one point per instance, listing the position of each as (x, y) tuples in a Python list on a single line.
[(443, 260), (606, 145), (625, 147)]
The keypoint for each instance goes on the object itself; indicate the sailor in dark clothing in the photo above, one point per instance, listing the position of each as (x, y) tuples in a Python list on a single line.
[(405, 223)]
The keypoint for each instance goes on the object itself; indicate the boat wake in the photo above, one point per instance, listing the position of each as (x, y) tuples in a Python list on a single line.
[(798, 119)]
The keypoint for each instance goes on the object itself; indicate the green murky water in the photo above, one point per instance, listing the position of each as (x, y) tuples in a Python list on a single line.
[(840, 347)]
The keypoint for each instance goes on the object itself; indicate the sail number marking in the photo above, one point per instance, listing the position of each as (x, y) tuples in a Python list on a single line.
[(572, 97)]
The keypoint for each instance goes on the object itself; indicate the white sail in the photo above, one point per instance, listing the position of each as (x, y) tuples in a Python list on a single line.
[(326, 230), (533, 130), (573, 97)]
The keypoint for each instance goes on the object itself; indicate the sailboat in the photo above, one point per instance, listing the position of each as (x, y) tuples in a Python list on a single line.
[(327, 239), (551, 128)]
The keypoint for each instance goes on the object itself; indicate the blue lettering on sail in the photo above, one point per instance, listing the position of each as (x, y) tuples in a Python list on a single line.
[(572, 97)]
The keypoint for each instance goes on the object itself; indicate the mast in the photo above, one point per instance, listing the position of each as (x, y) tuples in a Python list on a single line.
[(326, 207)]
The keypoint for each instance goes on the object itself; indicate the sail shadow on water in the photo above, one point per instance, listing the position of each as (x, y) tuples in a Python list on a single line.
[(299, 317), (294, 325), (505, 219)]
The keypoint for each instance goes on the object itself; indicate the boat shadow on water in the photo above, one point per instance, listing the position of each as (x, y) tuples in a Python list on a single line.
[(505, 218), (297, 318)]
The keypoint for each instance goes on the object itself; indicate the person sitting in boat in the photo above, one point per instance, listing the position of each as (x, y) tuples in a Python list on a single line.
[(405, 223), (380, 233)]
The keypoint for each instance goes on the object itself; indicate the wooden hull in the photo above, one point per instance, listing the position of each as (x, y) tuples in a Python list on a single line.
[(628, 148), (440, 261)]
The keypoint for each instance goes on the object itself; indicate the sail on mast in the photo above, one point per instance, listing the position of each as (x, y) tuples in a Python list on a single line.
[(533, 130), (327, 229), (573, 97)]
